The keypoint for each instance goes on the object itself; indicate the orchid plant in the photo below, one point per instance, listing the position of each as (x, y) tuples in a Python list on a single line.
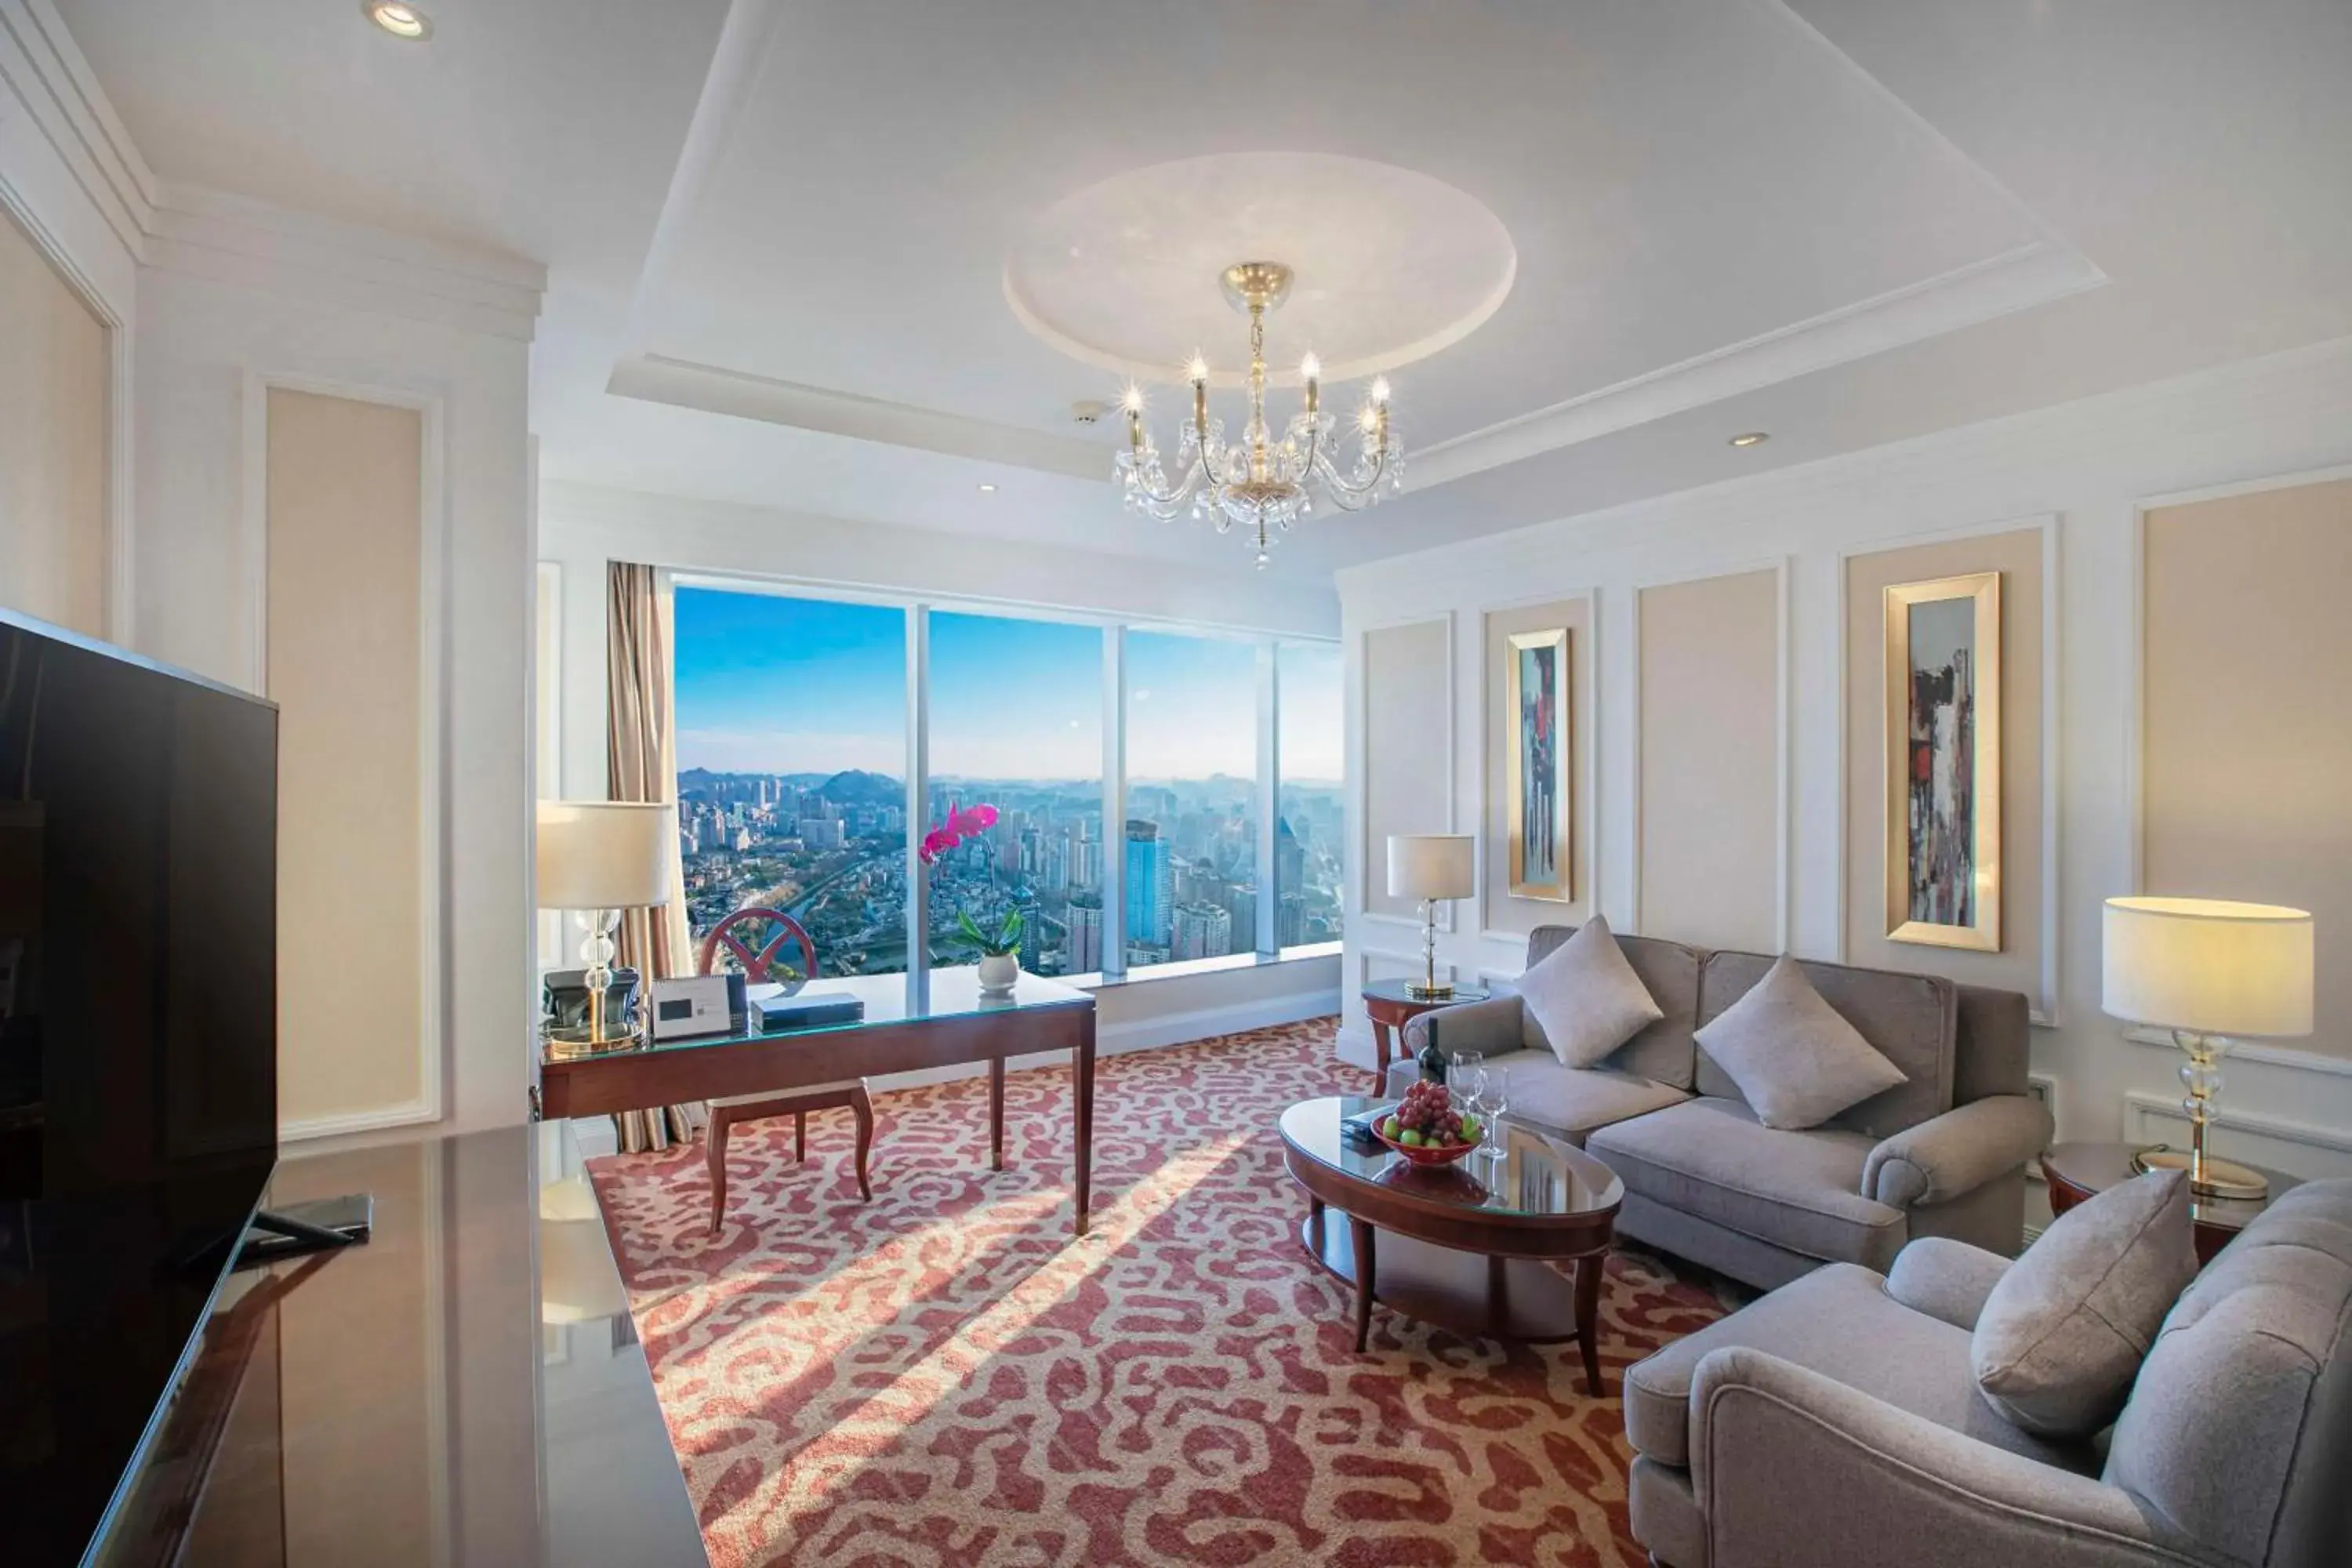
[(1007, 941), (963, 823)]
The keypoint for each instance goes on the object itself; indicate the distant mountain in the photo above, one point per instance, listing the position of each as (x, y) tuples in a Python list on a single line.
[(856, 788)]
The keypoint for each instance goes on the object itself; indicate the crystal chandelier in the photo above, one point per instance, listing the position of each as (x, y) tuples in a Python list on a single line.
[(1260, 482)]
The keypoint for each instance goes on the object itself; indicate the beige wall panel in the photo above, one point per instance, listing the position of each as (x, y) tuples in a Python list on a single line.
[(2248, 729), (345, 656), (54, 360), (1408, 675), (1710, 800), (1504, 912), (2017, 556)]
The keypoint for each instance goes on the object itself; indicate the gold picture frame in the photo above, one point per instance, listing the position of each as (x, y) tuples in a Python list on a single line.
[(1538, 747), (1943, 762)]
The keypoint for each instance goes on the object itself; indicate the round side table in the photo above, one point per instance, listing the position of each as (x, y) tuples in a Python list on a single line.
[(1391, 1007), (2078, 1172)]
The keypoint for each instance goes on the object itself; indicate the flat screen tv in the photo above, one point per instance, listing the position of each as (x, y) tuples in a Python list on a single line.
[(138, 1053)]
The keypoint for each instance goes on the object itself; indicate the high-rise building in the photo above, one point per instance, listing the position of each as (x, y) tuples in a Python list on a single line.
[(1241, 907), (1201, 930), (1150, 884), (1289, 859), (1086, 921), (1290, 920), (1033, 932)]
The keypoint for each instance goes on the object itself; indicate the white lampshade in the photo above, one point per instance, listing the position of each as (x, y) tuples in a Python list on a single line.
[(1433, 865), (2208, 966), (604, 854)]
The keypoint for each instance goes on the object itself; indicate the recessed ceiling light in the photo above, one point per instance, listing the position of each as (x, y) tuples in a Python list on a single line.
[(398, 17), (988, 489), (1751, 438)]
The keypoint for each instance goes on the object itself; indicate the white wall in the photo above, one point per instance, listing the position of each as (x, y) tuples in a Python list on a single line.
[(73, 182), (2084, 468), (584, 527), (217, 326)]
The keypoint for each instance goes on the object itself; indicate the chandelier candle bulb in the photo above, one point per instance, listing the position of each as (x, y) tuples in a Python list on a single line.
[(1264, 479)]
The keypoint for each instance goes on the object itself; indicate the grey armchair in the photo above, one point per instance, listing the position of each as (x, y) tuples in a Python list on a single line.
[(1837, 1421)]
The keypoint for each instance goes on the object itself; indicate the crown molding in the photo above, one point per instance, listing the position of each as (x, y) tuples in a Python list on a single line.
[(236, 240), (45, 68), (192, 229), (656, 378), (2033, 274)]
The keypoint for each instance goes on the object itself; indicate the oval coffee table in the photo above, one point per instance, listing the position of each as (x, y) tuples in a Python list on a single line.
[(1468, 1247)]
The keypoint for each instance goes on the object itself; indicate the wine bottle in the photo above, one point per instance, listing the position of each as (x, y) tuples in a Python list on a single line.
[(1433, 1061)]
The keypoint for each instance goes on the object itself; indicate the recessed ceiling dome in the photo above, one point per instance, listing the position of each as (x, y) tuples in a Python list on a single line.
[(1391, 265)]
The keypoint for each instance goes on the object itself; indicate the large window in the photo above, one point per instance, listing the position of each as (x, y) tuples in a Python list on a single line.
[(1190, 835), (1309, 796), (791, 758), (1015, 716), (793, 782)]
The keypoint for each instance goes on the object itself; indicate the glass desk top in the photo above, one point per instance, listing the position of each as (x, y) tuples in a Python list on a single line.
[(1529, 1173), (951, 992)]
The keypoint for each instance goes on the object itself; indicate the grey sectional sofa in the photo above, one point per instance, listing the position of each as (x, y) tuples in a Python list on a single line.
[(1940, 1154), (1838, 1421)]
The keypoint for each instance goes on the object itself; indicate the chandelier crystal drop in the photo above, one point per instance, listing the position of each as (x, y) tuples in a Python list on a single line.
[(1261, 483)]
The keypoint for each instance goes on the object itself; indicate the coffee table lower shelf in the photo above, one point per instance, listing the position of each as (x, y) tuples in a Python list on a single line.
[(1469, 1293)]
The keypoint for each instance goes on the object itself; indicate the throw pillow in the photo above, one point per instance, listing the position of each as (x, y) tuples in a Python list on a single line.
[(1585, 997), (1795, 1060), (2061, 1338)]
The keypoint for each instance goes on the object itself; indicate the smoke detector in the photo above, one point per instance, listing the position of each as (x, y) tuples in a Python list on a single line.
[(1088, 410)]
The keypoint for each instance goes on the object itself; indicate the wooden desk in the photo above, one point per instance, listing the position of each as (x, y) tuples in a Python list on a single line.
[(953, 1024)]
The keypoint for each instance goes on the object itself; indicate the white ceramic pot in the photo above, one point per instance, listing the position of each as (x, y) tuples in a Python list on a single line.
[(998, 973)]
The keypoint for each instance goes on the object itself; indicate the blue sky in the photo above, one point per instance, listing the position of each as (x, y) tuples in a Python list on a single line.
[(770, 684)]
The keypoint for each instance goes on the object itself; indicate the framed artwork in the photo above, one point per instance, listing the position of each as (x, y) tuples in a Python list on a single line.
[(1541, 851), (1943, 762)]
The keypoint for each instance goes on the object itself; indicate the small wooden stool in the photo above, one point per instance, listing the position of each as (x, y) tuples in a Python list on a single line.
[(798, 1102)]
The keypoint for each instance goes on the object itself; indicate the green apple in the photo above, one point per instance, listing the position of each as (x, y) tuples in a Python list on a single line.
[(1389, 1128), (1409, 1139), (1469, 1129)]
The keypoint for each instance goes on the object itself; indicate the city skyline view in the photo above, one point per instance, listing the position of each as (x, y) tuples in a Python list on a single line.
[(792, 793), (843, 673)]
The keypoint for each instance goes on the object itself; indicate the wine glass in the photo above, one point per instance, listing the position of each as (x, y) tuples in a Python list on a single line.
[(1494, 1104), (1464, 1066)]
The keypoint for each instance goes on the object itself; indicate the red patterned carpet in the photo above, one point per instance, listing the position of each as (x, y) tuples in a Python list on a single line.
[(947, 1376)]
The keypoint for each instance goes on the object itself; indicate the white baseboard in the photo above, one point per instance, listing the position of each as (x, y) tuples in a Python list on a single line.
[(344, 1124)]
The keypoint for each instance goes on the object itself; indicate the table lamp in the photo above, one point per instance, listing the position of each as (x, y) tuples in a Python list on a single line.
[(598, 857), (1429, 867), (2209, 971)]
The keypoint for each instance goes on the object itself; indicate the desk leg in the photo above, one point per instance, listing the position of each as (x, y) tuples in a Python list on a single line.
[(1082, 1069), (996, 1113), (1380, 1056)]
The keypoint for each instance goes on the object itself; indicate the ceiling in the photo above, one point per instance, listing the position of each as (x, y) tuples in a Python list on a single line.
[(857, 260)]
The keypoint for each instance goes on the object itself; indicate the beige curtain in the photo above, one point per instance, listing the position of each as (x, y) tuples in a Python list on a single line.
[(641, 764)]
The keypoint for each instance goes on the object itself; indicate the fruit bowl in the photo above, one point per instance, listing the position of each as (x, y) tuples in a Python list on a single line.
[(1427, 1111), (1426, 1153)]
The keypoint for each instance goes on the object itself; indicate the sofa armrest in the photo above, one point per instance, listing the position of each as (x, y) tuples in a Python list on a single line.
[(1947, 1156), (1492, 1026), (1792, 1467), (1946, 1278)]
